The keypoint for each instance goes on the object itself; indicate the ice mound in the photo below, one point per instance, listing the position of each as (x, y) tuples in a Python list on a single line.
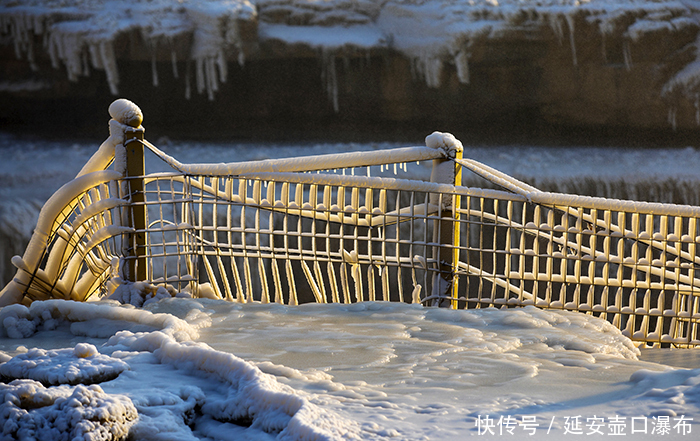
[(241, 394), (31, 411), (18, 321), (81, 365), (143, 293)]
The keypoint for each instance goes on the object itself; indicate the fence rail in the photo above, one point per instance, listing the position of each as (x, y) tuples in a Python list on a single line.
[(270, 231)]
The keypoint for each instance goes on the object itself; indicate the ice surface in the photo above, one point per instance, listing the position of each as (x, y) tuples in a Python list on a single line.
[(372, 371)]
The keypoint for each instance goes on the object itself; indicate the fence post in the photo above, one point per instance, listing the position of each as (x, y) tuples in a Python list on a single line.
[(136, 211), (446, 230)]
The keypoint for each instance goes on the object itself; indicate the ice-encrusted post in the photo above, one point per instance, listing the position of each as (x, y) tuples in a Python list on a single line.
[(128, 160), (135, 170), (446, 229)]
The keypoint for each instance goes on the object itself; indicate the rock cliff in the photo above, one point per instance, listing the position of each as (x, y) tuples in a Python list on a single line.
[(290, 68)]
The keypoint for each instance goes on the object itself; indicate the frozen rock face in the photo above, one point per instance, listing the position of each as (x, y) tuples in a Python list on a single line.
[(598, 63)]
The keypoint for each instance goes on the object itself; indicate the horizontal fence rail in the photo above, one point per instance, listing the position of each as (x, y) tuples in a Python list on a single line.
[(269, 231)]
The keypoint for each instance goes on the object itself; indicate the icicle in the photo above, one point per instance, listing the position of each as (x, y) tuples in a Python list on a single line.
[(572, 41), (431, 69), (462, 64), (110, 63), (66, 48), (395, 172), (95, 57), (412, 69), (672, 117), (85, 64), (188, 90), (72, 58), (154, 69), (173, 59), (604, 49), (213, 83), (51, 45), (555, 25), (330, 77), (627, 54), (199, 73), (223, 68), (209, 78)]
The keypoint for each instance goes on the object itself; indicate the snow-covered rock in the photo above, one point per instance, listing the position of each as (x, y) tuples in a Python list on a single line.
[(81, 365), (31, 411)]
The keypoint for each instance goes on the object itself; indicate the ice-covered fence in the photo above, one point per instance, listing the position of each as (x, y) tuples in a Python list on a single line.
[(633, 263), (270, 231), (308, 230)]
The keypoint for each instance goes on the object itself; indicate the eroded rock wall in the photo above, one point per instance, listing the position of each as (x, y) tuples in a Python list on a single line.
[(293, 67)]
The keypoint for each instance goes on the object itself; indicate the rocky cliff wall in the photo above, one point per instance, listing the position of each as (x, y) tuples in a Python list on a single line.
[(626, 70)]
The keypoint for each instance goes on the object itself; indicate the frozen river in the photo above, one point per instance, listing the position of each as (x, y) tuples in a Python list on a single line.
[(204, 369)]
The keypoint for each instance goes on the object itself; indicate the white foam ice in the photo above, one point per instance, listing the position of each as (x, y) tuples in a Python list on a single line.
[(200, 368)]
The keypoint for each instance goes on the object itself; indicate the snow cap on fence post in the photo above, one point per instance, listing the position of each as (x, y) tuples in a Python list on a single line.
[(126, 112), (445, 171), (446, 230), (444, 141)]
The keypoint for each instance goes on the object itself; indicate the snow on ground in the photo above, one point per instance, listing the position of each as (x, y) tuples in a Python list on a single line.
[(172, 380), (79, 35), (210, 369)]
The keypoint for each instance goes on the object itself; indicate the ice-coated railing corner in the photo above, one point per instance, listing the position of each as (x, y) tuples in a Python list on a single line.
[(312, 230)]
